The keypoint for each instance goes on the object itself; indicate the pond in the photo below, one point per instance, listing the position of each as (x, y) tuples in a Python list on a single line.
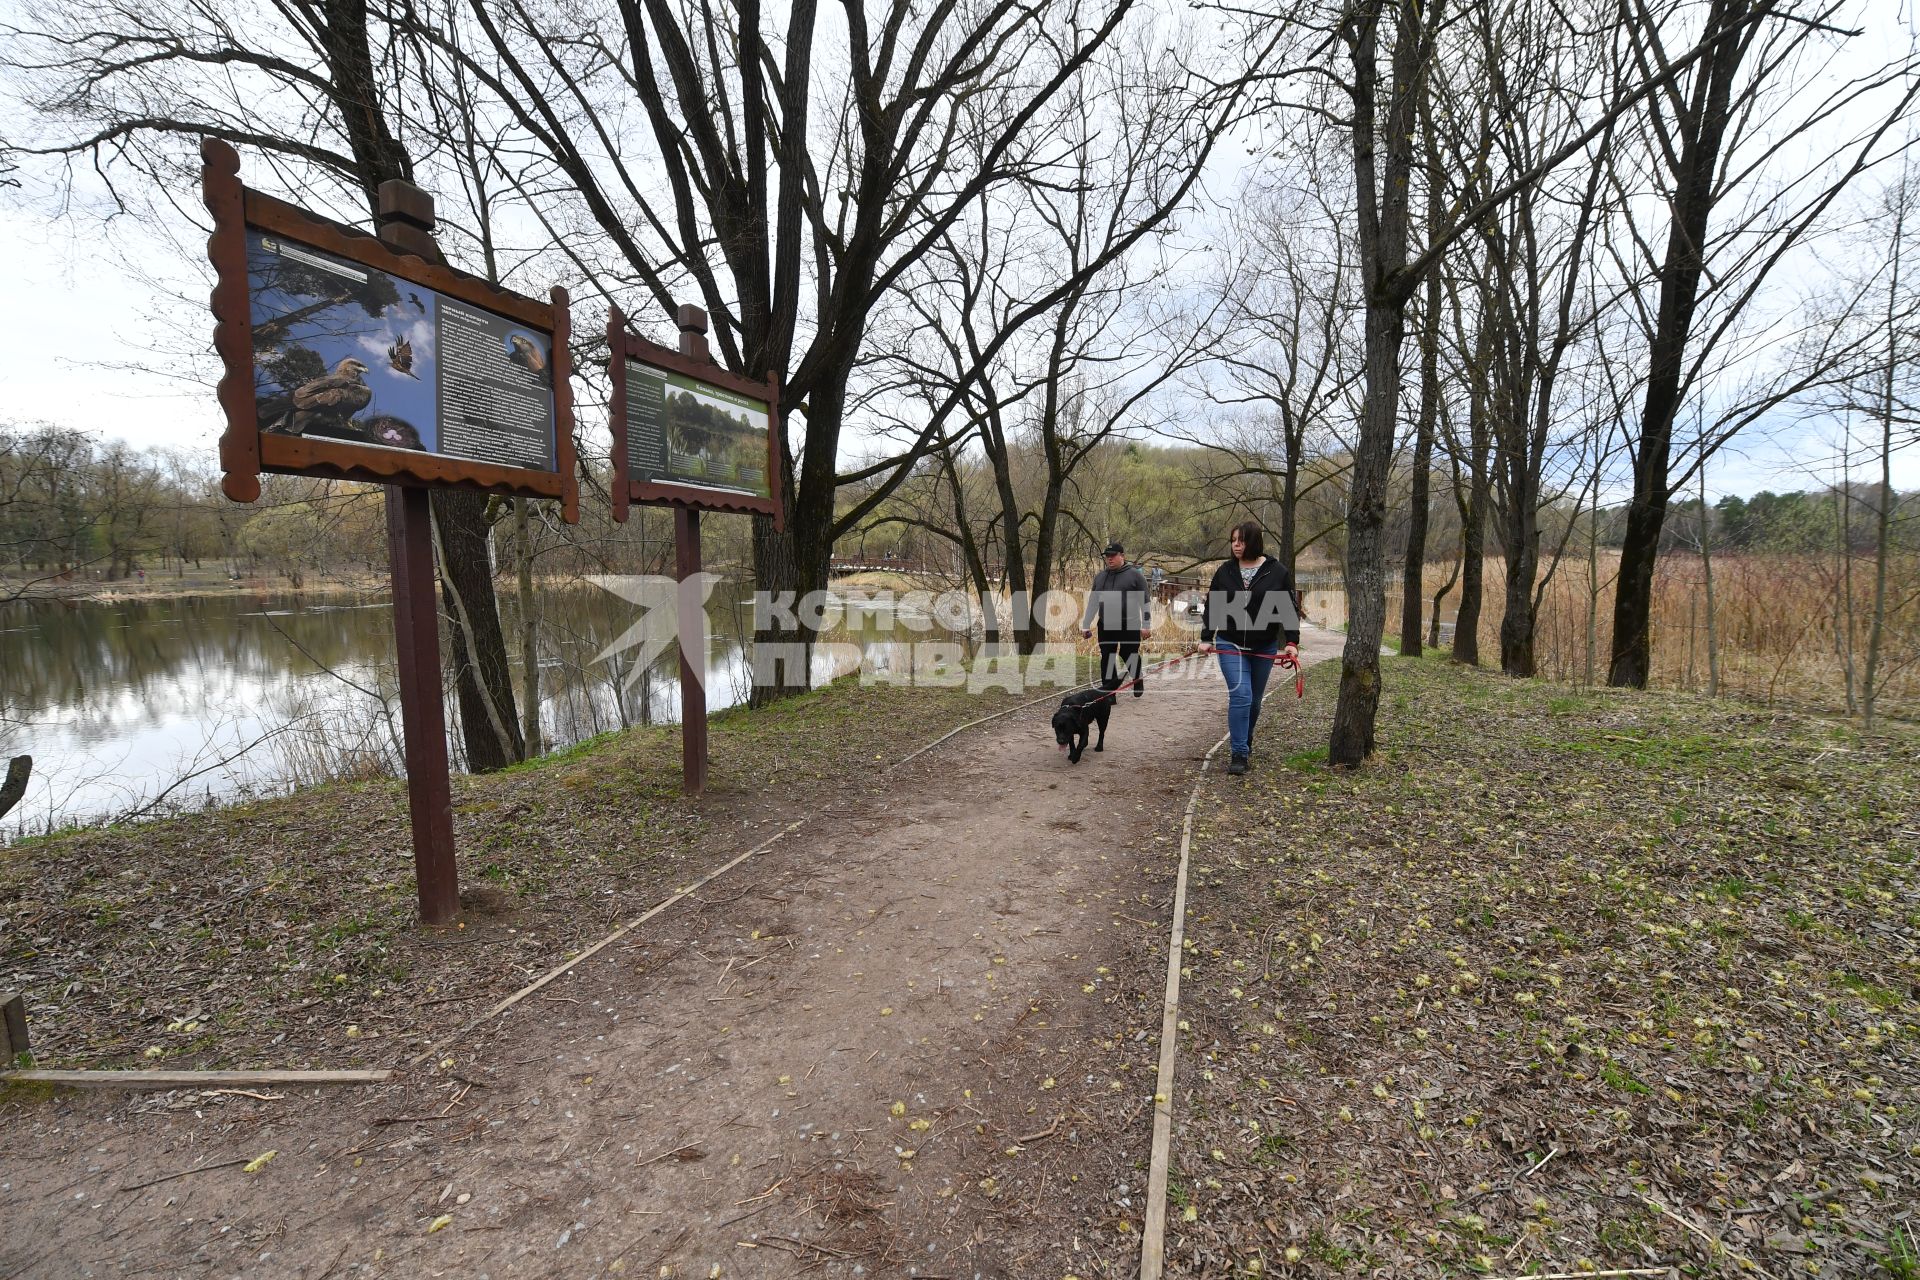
[(148, 705)]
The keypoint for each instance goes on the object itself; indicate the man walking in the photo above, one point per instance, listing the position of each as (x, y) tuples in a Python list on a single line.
[(1117, 607)]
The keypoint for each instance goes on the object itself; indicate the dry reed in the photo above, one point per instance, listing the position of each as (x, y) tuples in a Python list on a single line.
[(1783, 629)]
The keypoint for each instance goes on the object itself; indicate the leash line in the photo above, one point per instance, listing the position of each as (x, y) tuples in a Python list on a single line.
[(1282, 658)]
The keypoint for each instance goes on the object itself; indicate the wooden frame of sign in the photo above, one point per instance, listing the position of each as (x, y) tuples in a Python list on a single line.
[(623, 346), (714, 393), (246, 449)]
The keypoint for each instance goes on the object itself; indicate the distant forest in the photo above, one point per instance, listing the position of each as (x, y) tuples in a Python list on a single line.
[(104, 509)]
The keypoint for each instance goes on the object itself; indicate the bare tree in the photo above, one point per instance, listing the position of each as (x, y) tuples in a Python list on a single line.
[(1536, 257), (319, 91), (791, 200), (1877, 313), (1427, 416), (1375, 108), (1289, 350), (1475, 454), (1715, 136), (1899, 380), (1059, 335)]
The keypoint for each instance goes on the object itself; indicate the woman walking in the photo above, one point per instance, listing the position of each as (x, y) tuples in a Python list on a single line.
[(1249, 612)]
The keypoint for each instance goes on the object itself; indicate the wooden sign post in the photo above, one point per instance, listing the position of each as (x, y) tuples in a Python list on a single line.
[(693, 436), (358, 358), (405, 215)]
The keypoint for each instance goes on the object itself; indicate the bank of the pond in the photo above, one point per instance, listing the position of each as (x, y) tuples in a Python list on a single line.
[(281, 933), (1561, 981), (194, 584)]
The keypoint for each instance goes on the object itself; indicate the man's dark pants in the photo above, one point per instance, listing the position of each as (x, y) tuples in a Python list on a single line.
[(1120, 660)]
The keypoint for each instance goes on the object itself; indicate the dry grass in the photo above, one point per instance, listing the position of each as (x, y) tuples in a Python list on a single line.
[(253, 935), (1783, 635), (1566, 981)]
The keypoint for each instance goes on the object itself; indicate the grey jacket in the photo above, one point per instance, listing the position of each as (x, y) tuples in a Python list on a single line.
[(1118, 601)]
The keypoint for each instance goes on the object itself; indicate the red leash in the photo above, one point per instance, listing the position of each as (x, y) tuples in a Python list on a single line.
[(1283, 658), (1115, 691)]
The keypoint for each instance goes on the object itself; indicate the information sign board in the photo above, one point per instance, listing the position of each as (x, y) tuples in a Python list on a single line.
[(689, 433), (345, 358)]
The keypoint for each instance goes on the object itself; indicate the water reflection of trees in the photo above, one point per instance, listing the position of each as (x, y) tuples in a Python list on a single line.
[(89, 660), (82, 677)]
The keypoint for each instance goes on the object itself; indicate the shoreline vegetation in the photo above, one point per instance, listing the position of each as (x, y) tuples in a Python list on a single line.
[(1752, 666), (170, 586), (200, 584)]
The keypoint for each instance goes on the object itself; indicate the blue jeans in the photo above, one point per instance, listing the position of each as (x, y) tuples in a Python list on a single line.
[(1246, 675)]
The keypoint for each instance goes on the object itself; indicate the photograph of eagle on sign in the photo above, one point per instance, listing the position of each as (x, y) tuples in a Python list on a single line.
[(340, 352)]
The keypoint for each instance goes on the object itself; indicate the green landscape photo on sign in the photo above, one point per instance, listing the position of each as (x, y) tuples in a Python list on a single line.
[(683, 431)]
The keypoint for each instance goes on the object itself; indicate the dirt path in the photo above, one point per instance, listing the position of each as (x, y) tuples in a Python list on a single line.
[(824, 1061)]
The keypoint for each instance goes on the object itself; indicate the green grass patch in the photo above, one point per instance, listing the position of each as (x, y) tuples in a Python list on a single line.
[(1306, 761), (1877, 996)]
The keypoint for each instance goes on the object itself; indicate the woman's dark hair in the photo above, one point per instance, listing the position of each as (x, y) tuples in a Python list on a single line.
[(1253, 543)]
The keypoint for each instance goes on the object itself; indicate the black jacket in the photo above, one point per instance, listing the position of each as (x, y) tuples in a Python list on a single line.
[(1118, 602), (1255, 617)]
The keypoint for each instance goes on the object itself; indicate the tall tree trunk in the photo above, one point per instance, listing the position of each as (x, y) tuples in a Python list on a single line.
[(1523, 563), (1413, 585), (1882, 531), (1473, 553), (489, 727), (971, 557), (1383, 233), (529, 631), (778, 574), (1044, 537), (1352, 738), (1433, 623), (1631, 662), (1843, 624), (1023, 623), (483, 679), (1289, 502), (1682, 265), (1883, 517), (1706, 572), (1473, 518), (1593, 581)]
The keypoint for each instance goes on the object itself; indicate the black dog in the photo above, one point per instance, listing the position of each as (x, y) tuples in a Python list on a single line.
[(1073, 722)]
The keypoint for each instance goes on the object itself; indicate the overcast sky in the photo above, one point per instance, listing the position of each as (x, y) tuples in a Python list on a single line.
[(81, 325)]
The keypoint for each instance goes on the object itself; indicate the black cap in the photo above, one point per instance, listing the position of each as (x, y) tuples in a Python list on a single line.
[(1114, 549)]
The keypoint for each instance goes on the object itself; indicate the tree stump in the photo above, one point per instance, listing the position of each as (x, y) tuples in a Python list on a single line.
[(18, 771), (13, 1027)]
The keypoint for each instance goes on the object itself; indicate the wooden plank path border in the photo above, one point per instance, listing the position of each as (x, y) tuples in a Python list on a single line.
[(1153, 1234), (137, 1079)]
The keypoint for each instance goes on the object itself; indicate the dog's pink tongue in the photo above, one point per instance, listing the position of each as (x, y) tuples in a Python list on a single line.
[(1063, 748)]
